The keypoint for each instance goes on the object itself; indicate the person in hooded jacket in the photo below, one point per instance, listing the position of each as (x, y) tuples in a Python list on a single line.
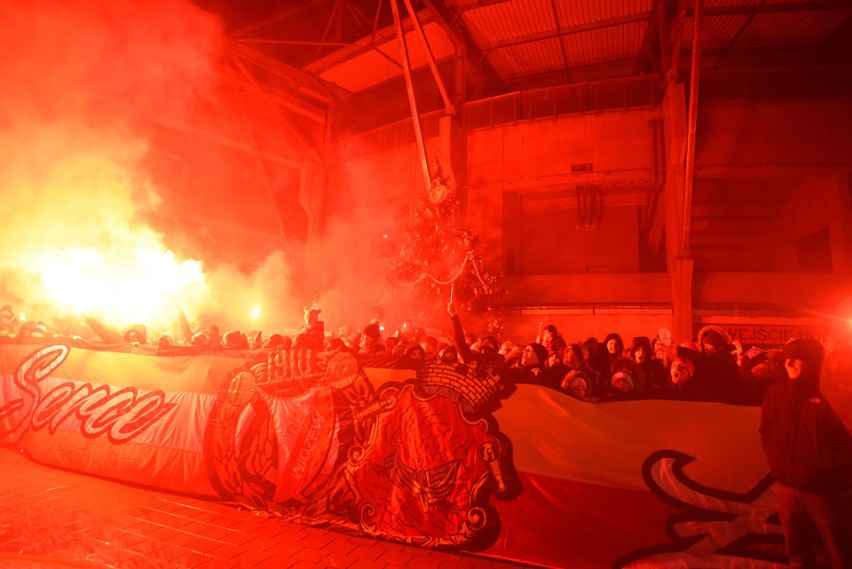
[(810, 455), (598, 360), (372, 342), (684, 383), (717, 366), (614, 346), (653, 372)]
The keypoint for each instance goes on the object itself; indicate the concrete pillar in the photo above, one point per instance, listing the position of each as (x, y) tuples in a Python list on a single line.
[(312, 196), (680, 262)]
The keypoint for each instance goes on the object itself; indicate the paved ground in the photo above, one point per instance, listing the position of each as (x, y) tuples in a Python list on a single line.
[(52, 518)]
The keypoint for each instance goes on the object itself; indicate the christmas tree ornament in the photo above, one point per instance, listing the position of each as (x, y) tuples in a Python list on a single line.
[(439, 254)]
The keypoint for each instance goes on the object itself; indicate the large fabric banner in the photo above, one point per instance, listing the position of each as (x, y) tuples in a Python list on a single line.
[(440, 457)]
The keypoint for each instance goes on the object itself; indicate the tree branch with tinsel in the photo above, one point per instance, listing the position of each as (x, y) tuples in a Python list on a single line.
[(439, 255)]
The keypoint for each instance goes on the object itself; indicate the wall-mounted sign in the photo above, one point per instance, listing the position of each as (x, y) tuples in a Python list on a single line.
[(770, 334)]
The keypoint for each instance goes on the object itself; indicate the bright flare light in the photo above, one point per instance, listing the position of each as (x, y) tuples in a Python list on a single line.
[(255, 312), (139, 287)]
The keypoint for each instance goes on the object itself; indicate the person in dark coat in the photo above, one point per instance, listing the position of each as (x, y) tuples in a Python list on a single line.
[(683, 382), (614, 346), (810, 454), (598, 359), (312, 334), (653, 373), (759, 369), (532, 369), (717, 366), (372, 342)]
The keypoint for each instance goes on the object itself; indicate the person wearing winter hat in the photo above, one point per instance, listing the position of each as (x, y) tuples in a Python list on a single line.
[(489, 352), (449, 355), (712, 339), (682, 369), (631, 367), (531, 368), (759, 369), (275, 341), (621, 386), (533, 355), (717, 366), (622, 381), (597, 357), (685, 381), (235, 340), (753, 356), (809, 451), (653, 372), (371, 340), (577, 384), (614, 345)]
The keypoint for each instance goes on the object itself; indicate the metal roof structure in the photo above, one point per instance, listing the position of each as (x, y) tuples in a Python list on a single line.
[(325, 51)]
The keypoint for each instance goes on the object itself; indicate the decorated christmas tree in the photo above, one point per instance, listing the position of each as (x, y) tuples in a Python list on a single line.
[(439, 260)]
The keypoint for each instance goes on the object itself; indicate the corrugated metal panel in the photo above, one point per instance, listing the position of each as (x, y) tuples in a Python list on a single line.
[(356, 74), (525, 38), (777, 28), (580, 12), (439, 43), (529, 57), (707, 62), (766, 60), (505, 20), (539, 80), (611, 70), (758, 3), (376, 66), (750, 61), (793, 1), (725, 3), (717, 31), (606, 43), (792, 28)]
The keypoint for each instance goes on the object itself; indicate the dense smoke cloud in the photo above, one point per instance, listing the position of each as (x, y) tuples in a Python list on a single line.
[(78, 79)]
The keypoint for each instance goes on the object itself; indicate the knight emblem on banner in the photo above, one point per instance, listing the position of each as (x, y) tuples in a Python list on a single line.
[(415, 462)]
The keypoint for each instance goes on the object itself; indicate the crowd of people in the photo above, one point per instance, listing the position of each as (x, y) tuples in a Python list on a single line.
[(711, 367), (808, 447)]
